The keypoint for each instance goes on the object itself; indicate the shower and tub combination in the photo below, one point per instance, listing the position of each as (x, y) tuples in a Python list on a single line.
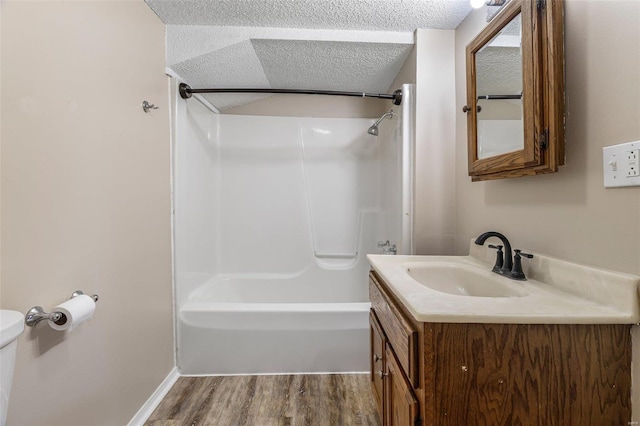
[(273, 219)]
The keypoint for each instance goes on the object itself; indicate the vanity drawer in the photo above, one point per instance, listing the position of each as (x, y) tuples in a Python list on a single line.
[(400, 333)]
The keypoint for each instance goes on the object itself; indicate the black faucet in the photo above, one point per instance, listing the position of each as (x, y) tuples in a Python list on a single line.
[(505, 264)]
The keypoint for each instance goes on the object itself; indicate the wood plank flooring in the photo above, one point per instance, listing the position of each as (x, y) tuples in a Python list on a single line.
[(313, 399)]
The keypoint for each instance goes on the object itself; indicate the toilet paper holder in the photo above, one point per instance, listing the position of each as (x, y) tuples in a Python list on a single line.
[(37, 314)]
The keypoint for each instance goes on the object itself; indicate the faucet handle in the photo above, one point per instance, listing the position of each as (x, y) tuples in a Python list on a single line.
[(499, 258), (516, 271), (519, 253)]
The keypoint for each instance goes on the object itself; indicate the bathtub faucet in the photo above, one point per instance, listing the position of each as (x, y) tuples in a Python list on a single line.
[(387, 248)]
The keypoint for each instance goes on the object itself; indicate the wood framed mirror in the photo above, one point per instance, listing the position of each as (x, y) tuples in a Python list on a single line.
[(515, 92)]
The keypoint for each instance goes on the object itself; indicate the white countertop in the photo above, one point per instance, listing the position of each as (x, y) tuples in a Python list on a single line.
[(557, 292)]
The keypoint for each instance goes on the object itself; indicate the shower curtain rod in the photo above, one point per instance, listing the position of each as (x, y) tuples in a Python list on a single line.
[(186, 92)]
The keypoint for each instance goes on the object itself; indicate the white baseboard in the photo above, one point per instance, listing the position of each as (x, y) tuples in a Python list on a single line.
[(154, 400)]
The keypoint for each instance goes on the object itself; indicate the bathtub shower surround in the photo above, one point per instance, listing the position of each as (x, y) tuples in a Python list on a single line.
[(274, 217)]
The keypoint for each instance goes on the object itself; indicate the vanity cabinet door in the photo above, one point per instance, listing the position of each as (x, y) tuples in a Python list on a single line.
[(377, 345), (401, 405)]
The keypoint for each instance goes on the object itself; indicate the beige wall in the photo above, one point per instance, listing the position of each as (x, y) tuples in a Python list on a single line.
[(86, 205), (407, 74), (570, 214), (435, 151)]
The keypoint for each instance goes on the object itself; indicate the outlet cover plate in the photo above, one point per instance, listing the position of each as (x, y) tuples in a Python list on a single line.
[(621, 164)]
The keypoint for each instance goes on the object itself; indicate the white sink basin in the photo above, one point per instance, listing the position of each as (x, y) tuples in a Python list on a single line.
[(462, 280)]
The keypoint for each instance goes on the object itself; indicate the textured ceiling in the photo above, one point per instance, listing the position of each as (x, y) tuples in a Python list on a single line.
[(369, 15), (347, 45)]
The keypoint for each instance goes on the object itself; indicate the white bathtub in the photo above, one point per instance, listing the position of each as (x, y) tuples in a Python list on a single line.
[(269, 326)]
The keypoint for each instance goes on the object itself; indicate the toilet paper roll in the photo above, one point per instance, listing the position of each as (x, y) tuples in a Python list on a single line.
[(74, 312)]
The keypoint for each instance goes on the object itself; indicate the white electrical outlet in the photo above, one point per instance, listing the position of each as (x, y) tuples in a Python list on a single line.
[(621, 164), (633, 162)]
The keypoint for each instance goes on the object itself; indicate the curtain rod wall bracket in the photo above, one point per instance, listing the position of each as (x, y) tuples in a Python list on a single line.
[(186, 92), (397, 97)]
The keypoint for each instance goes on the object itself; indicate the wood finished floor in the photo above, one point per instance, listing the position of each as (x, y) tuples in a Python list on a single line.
[(318, 400)]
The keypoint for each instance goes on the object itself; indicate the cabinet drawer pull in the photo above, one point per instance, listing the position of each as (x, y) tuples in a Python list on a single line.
[(376, 357), (382, 374)]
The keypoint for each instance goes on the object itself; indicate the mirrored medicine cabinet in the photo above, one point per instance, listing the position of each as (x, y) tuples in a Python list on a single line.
[(515, 92)]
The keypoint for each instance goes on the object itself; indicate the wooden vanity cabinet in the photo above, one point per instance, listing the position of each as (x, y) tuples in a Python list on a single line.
[(499, 374)]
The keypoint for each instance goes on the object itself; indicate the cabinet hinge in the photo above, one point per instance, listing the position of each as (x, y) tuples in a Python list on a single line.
[(543, 140), (417, 421), (541, 4)]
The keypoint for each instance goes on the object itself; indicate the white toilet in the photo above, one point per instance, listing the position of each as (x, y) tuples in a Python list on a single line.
[(11, 326)]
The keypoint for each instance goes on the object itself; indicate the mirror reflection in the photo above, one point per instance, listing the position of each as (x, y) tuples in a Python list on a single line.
[(500, 125)]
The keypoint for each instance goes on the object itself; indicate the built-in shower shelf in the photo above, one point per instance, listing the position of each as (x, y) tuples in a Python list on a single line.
[(335, 255)]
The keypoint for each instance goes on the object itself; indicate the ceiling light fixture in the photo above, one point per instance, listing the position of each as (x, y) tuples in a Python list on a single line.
[(477, 4)]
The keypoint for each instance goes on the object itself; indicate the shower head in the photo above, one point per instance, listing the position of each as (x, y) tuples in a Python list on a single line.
[(373, 130)]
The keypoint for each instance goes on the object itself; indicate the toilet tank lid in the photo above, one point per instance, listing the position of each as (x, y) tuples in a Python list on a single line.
[(11, 325)]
